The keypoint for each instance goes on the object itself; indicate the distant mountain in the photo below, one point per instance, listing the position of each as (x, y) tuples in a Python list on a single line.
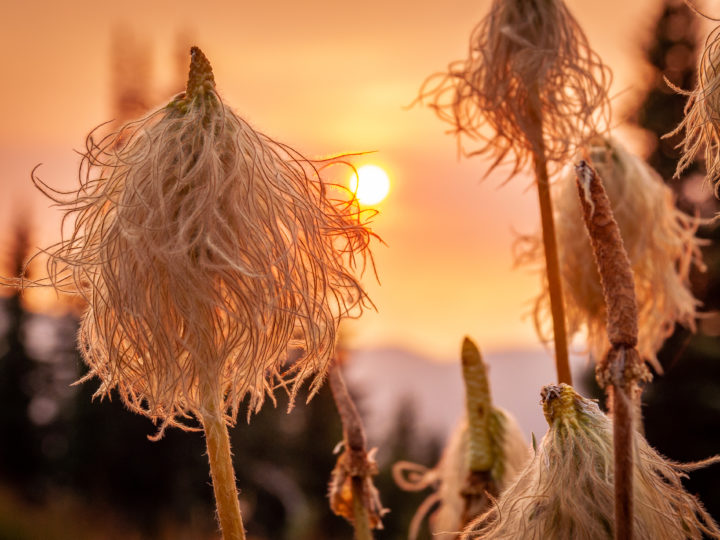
[(381, 379)]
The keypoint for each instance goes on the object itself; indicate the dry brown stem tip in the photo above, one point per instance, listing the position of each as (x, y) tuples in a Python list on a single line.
[(566, 492), (611, 258), (351, 478)]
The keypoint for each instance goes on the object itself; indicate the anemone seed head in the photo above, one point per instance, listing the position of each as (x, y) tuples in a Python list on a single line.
[(204, 249), (702, 115), (660, 242), (566, 491), (531, 85)]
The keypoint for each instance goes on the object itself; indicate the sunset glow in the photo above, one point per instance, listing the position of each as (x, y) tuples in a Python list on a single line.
[(436, 220), (371, 184)]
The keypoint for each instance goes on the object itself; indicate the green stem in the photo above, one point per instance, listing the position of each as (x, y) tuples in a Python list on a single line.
[(221, 467)]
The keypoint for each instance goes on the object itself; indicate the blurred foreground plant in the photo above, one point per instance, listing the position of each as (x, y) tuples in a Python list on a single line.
[(204, 250), (483, 455), (566, 491)]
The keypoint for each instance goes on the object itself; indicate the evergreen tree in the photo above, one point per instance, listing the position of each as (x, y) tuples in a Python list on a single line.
[(19, 454)]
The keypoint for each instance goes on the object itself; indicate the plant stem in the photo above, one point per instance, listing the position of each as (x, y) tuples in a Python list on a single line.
[(623, 448), (221, 467), (552, 264), (362, 519), (354, 435)]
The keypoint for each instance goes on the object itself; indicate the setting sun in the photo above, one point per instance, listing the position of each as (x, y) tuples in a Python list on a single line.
[(373, 184)]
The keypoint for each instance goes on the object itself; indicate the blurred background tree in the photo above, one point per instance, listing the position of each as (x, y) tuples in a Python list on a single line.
[(682, 407), (72, 468), (19, 452)]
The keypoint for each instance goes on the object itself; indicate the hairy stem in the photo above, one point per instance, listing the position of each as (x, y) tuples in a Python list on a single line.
[(221, 467), (552, 264), (622, 369), (623, 450)]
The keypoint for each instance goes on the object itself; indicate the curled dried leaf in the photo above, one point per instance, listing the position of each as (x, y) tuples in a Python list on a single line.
[(341, 493)]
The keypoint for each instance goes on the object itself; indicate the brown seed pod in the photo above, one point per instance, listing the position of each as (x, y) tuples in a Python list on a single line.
[(204, 249), (566, 491), (531, 84), (611, 258), (660, 242)]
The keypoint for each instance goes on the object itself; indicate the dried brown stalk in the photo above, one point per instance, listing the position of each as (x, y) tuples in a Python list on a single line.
[(552, 271), (622, 369), (530, 89), (352, 493)]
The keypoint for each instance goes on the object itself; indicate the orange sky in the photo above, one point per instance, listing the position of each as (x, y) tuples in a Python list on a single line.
[(325, 77)]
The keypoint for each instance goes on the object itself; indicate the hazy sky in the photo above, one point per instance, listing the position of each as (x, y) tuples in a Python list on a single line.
[(325, 77)]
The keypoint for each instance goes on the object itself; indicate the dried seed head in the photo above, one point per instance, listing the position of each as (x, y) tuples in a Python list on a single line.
[(660, 242), (566, 491), (448, 477), (204, 250), (531, 84), (702, 115)]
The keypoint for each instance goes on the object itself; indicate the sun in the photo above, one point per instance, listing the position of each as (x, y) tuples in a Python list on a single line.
[(373, 187)]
